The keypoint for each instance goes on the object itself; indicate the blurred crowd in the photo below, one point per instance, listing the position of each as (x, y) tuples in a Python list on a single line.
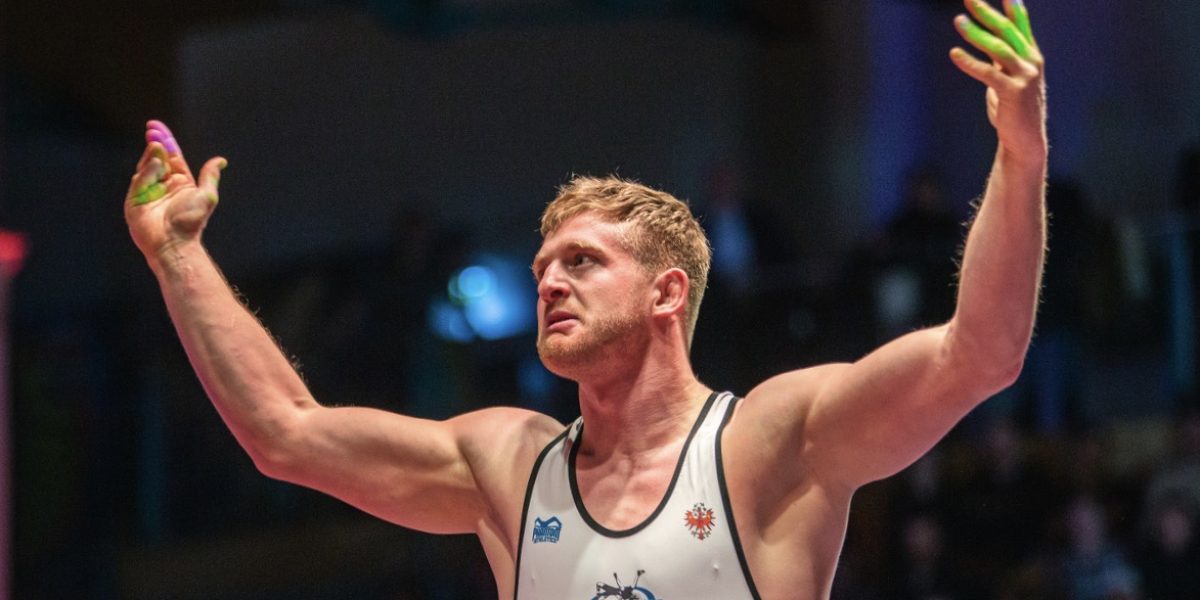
[(999, 513)]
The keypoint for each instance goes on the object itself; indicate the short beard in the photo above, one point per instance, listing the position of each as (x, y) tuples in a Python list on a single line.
[(568, 358)]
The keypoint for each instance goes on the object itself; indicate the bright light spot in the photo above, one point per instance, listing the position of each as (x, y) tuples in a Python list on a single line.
[(493, 298), (476, 281), (448, 322)]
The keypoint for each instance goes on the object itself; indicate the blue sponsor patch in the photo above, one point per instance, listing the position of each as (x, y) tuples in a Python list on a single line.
[(546, 531)]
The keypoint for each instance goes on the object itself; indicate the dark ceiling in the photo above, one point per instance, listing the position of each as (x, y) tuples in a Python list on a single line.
[(108, 64), (112, 60)]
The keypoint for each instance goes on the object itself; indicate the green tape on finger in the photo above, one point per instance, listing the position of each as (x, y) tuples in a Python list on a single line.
[(212, 180), (1021, 17), (985, 41), (1001, 26), (149, 194)]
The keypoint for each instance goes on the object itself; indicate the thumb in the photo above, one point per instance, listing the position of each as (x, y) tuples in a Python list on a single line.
[(189, 215), (210, 177)]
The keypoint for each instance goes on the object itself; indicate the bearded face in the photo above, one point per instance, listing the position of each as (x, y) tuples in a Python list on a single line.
[(591, 297), (604, 333)]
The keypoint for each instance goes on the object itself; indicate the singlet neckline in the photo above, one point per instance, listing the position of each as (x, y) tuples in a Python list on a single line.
[(662, 503)]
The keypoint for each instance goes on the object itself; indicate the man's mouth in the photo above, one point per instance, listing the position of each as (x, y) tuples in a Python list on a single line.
[(559, 319)]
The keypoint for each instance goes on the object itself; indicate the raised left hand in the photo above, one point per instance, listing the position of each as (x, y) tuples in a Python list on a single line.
[(166, 206)]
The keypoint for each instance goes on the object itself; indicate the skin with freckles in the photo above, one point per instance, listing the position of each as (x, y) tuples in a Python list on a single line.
[(797, 447)]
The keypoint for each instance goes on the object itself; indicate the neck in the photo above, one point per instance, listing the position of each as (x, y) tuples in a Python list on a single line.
[(648, 404)]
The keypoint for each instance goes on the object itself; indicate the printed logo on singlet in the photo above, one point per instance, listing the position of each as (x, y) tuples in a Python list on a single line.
[(700, 520), (624, 592), (546, 531)]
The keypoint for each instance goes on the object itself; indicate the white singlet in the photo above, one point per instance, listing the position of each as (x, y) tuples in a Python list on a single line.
[(685, 550)]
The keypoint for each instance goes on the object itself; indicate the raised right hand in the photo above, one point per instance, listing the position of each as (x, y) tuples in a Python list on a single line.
[(1016, 94), (167, 206)]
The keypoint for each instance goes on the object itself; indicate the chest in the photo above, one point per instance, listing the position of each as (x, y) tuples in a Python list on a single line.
[(621, 496)]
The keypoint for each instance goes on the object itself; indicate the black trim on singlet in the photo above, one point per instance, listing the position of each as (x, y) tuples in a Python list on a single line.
[(602, 530), (733, 531), (537, 465)]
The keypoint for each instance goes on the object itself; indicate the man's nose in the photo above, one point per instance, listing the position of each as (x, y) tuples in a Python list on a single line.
[(553, 285)]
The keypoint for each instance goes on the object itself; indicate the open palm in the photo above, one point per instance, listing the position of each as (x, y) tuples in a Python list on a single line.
[(166, 205)]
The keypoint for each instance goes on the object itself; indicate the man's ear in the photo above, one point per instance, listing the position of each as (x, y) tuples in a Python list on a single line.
[(671, 292)]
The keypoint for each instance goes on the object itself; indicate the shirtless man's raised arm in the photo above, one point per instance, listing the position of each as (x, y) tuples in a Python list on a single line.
[(462, 475), (827, 430)]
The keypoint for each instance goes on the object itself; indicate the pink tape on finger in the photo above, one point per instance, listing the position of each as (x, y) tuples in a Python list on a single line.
[(166, 139)]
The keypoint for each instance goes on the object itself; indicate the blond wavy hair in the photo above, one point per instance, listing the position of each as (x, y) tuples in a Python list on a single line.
[(664, 235)]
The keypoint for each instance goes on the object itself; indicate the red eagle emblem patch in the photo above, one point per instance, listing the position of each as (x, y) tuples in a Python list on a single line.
[(700, 520)]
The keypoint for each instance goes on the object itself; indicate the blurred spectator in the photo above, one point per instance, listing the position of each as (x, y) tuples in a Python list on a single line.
[(1170, 561), (1180, 477), (734, 260), (1081, 296), (407, 360), (925, 573), (1036, 578), (1183, 263), (743, 303), (1003, 506), (720, 348), (922, 487), (915, 258), (1087, 469), (1094, 567)]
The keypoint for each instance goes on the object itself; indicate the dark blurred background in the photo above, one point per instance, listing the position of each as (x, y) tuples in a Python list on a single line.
[(388, 163)]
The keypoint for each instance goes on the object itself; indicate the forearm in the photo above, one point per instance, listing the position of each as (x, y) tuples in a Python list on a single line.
[(251, 383), (1002, 266)]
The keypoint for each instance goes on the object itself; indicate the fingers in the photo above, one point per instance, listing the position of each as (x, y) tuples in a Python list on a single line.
[(1019, 15), (157, 131), (177, 181), (162, 169), (986, 73), (192, 213), (153, 150), (142, 179), (210, 177), (147, 185), (989, 44), (163, 135), (1006, 38), (1001, 26)]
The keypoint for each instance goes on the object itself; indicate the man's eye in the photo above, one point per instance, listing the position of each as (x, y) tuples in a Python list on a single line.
[(581, 259)]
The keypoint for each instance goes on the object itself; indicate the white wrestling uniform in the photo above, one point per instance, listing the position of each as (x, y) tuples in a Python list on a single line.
[(686, 549)]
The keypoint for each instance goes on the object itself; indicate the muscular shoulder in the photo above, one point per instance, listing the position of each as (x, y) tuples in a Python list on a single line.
[(772, 486), (494, 436), (784, 399), (500, 445), (768, 427)]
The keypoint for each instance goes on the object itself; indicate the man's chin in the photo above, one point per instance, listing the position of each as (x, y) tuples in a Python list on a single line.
[(562, 357), (579, 353)]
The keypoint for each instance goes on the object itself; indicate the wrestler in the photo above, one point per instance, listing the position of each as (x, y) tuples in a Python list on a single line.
[(664, 488)]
